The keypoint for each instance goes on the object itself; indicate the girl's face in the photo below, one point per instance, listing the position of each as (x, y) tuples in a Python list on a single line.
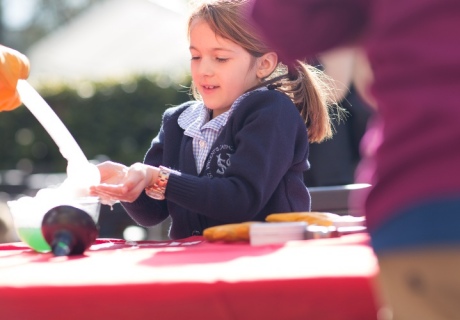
[(221, 69)]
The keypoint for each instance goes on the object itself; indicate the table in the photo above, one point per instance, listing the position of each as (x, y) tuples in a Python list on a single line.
[(192, 279)]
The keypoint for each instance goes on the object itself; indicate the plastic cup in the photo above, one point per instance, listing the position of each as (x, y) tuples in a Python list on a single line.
[(28, 213)]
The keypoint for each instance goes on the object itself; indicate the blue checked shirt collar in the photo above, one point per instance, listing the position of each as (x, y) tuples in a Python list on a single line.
[(204, 132)]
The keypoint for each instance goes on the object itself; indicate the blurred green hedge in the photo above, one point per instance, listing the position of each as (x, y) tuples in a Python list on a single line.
[(108, 120)]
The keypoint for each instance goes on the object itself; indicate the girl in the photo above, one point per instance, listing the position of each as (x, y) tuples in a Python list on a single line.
[(412, 209), (236, 153)]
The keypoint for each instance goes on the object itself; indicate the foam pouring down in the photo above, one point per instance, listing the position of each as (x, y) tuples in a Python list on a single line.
[(80, 173), (28, 212)]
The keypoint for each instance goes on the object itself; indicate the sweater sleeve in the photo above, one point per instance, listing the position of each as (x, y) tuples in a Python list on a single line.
[(300, 29), (271, 148), (145, 210)]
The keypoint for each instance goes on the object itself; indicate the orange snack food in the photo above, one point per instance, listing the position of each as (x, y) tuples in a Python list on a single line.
[(228, 232), (312, 218)]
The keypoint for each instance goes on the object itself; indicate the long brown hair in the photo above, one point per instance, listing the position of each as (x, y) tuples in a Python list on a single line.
[(307, 87)]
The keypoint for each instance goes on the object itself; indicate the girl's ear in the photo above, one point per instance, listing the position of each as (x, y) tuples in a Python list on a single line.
[(266, 64)]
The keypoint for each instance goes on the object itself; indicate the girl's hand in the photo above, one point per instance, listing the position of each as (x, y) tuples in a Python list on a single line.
[(112, 172), (119, 182)]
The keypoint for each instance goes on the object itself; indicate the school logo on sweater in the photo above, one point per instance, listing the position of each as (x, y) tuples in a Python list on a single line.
[(219, 160)]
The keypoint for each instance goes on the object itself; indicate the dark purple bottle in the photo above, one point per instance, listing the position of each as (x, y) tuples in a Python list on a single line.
[(68, 230)]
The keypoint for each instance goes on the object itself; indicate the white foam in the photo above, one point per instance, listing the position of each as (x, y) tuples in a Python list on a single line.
[(81, 174)]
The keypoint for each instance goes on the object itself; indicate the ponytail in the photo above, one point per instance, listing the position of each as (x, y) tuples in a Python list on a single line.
[(310, 91)]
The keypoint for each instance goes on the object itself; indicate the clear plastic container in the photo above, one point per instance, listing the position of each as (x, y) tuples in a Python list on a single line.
[(28, 213)]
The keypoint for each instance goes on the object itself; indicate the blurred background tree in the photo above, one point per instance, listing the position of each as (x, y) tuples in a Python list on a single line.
[(112, 113), (117, 121)]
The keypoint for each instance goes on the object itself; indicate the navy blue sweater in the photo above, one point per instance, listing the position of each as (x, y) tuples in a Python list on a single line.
[(267, 141)]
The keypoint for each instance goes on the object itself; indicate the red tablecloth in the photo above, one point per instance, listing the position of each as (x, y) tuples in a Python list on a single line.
[(330, 279)]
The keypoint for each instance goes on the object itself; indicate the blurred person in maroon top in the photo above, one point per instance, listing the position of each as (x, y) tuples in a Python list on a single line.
[(411, 153)]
